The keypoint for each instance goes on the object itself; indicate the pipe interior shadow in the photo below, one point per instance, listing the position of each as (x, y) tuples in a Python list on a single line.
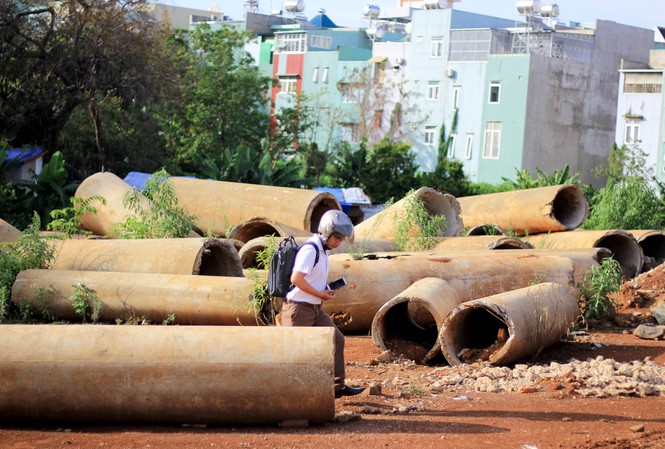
[(476, 328), (410, 331), (216, 260), (569, 207)]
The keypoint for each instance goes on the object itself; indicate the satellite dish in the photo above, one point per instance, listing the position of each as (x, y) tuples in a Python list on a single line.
[(408, 28)]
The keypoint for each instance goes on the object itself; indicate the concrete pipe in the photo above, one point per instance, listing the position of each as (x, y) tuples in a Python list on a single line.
[(201, 256), (623, 245), (260, 227), (113, 190), (485, 229), (475, 274), (8, 233), (220, 205), (403, 326), (167, 374), (382, 225), (509, 326), (652, 243), (479, 242), (532, 211), (249, 250), (201, 300)]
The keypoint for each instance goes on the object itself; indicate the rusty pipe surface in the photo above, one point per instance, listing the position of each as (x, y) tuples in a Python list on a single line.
[(408, 324), (167, 374), (113, 190), (8, 233), (383, 224), (200, 256), (509, 326), (201, 300), (532, 211), (652, 243), (256, 227), (375, 280), (489, 242), (623, 245), (220, 205)]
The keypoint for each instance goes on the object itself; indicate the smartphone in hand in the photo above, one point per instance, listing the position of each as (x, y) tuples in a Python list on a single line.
[(339, 283)]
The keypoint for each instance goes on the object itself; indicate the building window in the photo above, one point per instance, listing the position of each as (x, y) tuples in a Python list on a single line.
[(433, 88), (319, 41), (350, 132), (430, 135), (350, 93), (315, 75), (378, 119), (632, 132), (290, 42), (450, 154), (324, 75), (643, 83), (456, 90), (492, 140), (436, 47), (495, 90), (468, 148), (288, 85)]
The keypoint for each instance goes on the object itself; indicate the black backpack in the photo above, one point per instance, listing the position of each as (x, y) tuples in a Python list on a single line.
[(281, 266)]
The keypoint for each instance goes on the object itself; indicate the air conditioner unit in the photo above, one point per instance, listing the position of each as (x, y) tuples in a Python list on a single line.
[(450, 73), (399, 61)]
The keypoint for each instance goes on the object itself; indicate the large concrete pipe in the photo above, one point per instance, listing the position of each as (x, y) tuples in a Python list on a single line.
[(167, 374), (113, 190), (220, 205), (402, 327), (473, 274), (532, 211), (652, 243), (8, 233), (383, 224), (200, 256), (479, 242), (261, 226), (249, 250), (623, 245), (188, 299), (509, 326)]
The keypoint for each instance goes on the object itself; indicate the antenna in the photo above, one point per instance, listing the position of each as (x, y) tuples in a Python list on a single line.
[(250, 6)]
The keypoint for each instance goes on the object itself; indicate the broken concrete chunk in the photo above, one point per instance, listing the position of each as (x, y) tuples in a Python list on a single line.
[(649, 332)]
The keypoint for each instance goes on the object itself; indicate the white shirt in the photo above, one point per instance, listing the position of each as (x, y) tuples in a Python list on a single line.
[(316, 275)]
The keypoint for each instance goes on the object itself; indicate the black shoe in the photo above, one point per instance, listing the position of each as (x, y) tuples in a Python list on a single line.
[(345, 390)]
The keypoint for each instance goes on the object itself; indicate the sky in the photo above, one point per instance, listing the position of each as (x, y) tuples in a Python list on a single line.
[(641, 13)]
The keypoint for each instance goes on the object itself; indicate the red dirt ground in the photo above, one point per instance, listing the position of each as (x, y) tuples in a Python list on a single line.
[(409, 415)]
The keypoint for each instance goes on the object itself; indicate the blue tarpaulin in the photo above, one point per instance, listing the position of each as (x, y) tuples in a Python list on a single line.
[(19, 157)]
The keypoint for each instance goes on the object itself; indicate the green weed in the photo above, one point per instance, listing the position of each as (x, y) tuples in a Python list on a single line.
[(415, 228), (598, 284), (86, 303)]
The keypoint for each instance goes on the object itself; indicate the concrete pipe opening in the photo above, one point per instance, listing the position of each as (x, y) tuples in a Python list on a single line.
[(486, 229), (446, 205), (408, 329), (218, 258), (510, 243), (320, 206), (474, 334), (653, 248), (625, 250), (570, 207), (253, 228)]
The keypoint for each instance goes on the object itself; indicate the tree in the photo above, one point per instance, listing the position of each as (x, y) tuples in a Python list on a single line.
[(225, 107), (75, 54), (391, 171)]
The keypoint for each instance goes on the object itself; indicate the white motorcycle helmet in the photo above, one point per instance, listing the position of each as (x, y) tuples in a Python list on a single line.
[(336, 221)]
